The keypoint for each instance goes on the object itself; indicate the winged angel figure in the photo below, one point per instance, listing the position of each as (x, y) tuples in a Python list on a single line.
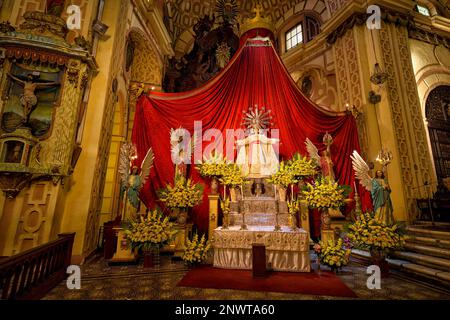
[(378, 187), (132, 177), (323, 161)]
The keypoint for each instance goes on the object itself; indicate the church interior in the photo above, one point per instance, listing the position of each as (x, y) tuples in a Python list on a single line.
[(225, 150)]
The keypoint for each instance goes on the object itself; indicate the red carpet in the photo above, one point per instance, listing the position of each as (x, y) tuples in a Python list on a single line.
[(325, 283)]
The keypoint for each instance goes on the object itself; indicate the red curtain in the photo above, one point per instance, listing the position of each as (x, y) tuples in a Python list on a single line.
[(255, 75)]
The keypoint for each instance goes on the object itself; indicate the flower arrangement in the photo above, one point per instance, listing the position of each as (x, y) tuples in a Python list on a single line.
[(232, 176), (333, 254), (283, 177), (325, 193), (196, 250), (301, 167), (225, 205), (184, 194), (213, 166), (369, 234), (293, 206), (149, 232)]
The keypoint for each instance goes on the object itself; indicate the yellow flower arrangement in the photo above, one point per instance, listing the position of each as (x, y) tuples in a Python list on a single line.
[(293, 206), (369, 234), (196, 249), (184, 194), (154, 230), (302, 167), (325, 193), (332, 253), (225, 205), (232, 176), (284, 177), (212, 166)]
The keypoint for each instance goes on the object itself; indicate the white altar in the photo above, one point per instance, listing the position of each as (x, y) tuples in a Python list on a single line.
[(286, 250)]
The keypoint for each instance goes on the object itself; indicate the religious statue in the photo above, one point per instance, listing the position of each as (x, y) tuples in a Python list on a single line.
[(324, 161), (133, 179), (378, 187), (256, 155), (28, 99), (181, 151)]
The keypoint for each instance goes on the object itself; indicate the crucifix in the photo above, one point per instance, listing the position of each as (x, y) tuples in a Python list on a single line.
[(28, 99)]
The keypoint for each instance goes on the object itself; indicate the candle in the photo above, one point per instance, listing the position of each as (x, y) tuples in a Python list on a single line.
[(275, 191), (242, 193)]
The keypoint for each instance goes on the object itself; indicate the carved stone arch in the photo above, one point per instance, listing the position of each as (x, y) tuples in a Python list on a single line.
[(147, 66), (315, 8), (184, 43), (437, 110), (428, 4)]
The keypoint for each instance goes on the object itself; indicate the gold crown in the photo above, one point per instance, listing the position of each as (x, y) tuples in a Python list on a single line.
[(257, 22)]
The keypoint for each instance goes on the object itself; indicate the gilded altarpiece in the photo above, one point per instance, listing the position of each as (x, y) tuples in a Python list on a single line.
[(43, 79)]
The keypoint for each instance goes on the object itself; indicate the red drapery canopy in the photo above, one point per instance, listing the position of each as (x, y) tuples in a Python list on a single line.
[(255, 75)]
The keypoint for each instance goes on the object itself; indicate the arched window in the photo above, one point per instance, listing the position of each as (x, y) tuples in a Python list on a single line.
[(306, 30), (294, 36)]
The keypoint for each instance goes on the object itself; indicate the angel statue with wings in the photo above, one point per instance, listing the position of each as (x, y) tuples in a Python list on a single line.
[(132, 177), (324, 161), (378, 187)]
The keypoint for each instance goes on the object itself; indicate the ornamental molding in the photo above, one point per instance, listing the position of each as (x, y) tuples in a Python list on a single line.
[(434, 31)]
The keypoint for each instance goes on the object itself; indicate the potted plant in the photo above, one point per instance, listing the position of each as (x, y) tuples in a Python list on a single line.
[(184, 194), (232, 178), (196, 250), (379, 239), (282, 179), (149, 234), (332, 254), (213, 167)]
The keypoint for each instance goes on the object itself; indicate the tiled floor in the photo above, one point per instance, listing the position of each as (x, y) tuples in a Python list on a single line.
[(100, 281)]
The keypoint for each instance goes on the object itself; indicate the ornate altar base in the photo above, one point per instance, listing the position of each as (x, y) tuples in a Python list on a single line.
[(286, 250)]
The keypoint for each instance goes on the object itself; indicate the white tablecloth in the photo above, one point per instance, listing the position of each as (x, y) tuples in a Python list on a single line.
[(286, 250)]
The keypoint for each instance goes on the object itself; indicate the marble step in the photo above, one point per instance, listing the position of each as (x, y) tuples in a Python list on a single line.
[(432, 242), (427, 232), (259, 219), (431, 251), (423, 259), (410, 267)]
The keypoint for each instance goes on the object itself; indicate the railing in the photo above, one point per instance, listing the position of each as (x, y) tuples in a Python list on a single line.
[(32, 273)]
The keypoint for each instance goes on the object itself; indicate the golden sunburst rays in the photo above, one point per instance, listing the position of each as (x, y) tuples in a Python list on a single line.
[(257, 118), (228, 10)]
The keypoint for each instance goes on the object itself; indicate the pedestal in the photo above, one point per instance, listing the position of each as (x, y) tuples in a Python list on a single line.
[(304, 216), (178, 244), (213, 214), (327, 235), (123, 251)]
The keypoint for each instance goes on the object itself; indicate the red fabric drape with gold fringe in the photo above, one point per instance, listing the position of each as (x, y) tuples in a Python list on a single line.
[(255, 75)]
